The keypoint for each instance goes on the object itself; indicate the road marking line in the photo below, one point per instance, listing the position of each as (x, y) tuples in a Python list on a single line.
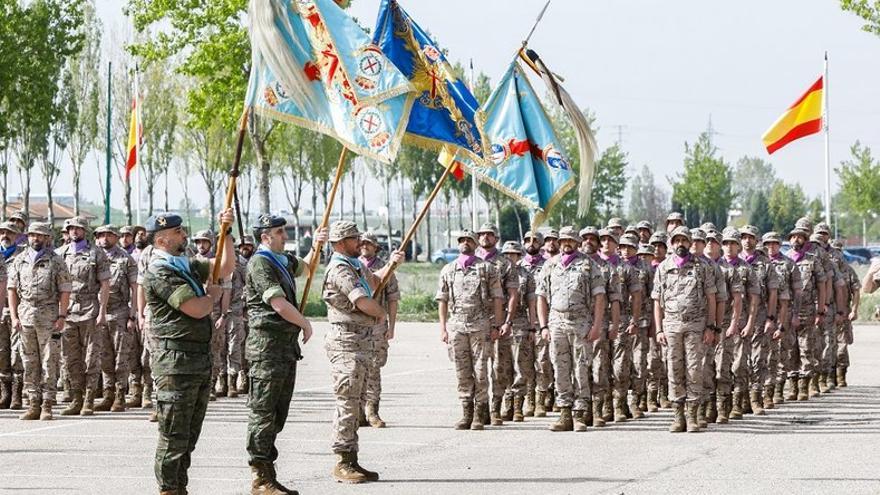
[(25, 432)]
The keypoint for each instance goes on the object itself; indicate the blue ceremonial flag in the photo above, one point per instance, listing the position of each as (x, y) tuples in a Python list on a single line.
[(444, 110), (313, 66), (529, 164)]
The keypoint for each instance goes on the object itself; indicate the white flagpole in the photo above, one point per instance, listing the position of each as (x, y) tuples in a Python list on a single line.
[(827, 148), (137, 143)]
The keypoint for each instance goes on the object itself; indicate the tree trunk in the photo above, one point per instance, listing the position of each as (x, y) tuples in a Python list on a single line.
[(341, 198), (364, 201), (447, 220), (314, 205), (402, 209), (415, 242), (212, 203), (388, 209), (77, 172), (49, 210), (26, 192), (4, 174), (166, 189), (428, 233), (354, 198), (458, 198), (151, 186)]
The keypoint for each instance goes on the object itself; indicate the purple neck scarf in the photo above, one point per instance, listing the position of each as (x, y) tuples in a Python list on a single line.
[(633, 260), (776, 257), (733, 261), (750, 258), (465, 261), (80, 246), (613, 259), (533, 260), (680, 262), (796, 255), (487, 254), (369, 262), (566, 259), (36, 255), (130, 248)]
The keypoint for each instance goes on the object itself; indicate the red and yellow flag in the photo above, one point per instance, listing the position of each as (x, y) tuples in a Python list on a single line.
[(133, 135), (801, 119)]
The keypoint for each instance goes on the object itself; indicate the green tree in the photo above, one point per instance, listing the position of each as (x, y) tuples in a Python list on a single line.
[(867, 10), (648, 201), (760, 212), (751, 176), (608, 184), (703, 191), (160, 103), (860, 182), (786, 204), (12, 17)]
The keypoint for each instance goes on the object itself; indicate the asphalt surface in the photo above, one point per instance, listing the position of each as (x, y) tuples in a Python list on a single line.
[(826, 445)]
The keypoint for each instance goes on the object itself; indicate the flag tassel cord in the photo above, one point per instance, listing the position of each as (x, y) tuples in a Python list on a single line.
[(230, 195)]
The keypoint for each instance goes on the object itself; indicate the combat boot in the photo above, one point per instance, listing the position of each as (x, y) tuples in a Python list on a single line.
[(46, 413), (467, 416), (495, 415), (841, 376), (107, 400), (33, 410), (154, 416), (373, 415), (736, 412), (777, 393), (362, 417), (231, 390), (507, 408), (241, 384), (220, 387), (565, 421), (832, 379), (693, 424), (484, 414), (371, 475), (212, 396), (678, 422), (598, 420), (608, 407), (265, 481), (67, 394), (635, 408), (823, 383), (756, 402), (529, 410), (803, 385), (478, 422), (540, 407), (643, 402), (518, 415), (721, 406), (664, 396), (702, 422), (652, 401), (588, 414), (768, 397), (5, 394), (747, 403), (15, 402), (813, 389), (137, 396), (119, 402), (579, 424), (345, 470), (792, 389), (550, 399), (619, 412), (75, 406), (712, 409), (148, 394)]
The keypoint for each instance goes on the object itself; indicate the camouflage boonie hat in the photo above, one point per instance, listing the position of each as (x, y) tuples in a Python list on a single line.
[(644, 224), (569, 233), (80, 222), (19, 215), (682, 231), (771, 236), (675, 216), (614, 223), (631, 229), (804, 223), (731, 234), (801, 232), (107, 229), (125, 229), (511, 247), (822, 228), (713, 236), (630, 240), (204, 235), (551, 234), (610, 234), (708, 227), (658, 237), (465, 234), (487, 228), (646, 249), (536, 235), (370, 237), (698, 235), (40, 228), (589, 230), (815, 237), (247, 239), (749, 230), (837, 244), (10, 226), (343, 229), (64, 225)]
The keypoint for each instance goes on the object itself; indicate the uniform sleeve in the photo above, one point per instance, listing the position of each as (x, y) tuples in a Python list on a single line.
[(634, 284), (102, 265), (263, 280), (614, 290), (170, 287), (495, 286), (819, 273), (12, 281), (62, 276), (442, 286), (300, 266), (736, 282), (657, 291), (784, 292), (132, 271), (531, 287), (542, 282), (392, 290), (347, 282), (4, 274), (510, 277), (597, 280), (720, 284), (709, 286), (854, 284), (142, 267), (752, 285)]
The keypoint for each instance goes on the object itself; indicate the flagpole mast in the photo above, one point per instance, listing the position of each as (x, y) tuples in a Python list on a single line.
[(109, 159), (230, 195), (137, 143), (475, 218), (827, 147)]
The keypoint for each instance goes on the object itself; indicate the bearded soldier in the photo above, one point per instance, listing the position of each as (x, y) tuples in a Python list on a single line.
[(525, 324), (536, 399), (811, 310), (780, 358), (10, 359), (845, 330)]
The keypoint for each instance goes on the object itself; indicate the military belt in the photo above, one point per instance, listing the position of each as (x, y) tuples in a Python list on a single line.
[(184, 346)]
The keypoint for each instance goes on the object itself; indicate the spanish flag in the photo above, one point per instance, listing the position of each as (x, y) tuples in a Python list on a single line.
[(447, 159), (133, 136), (801, 119)]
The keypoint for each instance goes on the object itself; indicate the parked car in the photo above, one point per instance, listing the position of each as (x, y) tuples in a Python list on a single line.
[(382, 239), (861, 252), (445, 255), (851, 257)]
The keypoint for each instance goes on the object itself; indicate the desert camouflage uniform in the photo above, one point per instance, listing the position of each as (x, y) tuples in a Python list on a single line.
[(812, 274), (845, 331), (732, 275), (391, 292), (114, 335), (759, 342), (235, 335), (501, 353), (524, 334)]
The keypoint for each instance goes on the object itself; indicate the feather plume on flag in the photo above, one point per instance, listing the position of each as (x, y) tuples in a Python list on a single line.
[(586, 140)]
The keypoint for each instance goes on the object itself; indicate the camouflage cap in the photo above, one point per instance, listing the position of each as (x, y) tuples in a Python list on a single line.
[(589, 230), (370, 237), (614, 223), (713, 236), (630, 240), (674, 216), (511, 247), (125, 229), (107, 229), (658, 238), (680, 231), (646, 249), (644, 224), (698, 235), (247, 239), (822, 228), (20, 215), (11, 227), (40, 228), (569, 233), (731, 234), (799, 232), (343, 229), (609, 234), (771, 236), (816, 237), (837, 244), (163, 221), (551, 234), (749, 230), (204, 235), (804, 223), (631, 229), (536, 235), (80, 222), (465, 234), (488, 228), (708, 227)]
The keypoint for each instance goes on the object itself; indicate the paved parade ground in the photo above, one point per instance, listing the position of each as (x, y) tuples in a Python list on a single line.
[(827, 445)]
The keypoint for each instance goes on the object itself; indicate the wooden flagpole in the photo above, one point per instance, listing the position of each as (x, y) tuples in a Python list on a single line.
[(230, 194)]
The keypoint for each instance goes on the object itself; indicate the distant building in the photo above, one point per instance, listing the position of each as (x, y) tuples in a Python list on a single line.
[(39, 211)]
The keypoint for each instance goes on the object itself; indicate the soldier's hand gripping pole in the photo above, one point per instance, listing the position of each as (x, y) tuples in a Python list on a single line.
[(230, 195)]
